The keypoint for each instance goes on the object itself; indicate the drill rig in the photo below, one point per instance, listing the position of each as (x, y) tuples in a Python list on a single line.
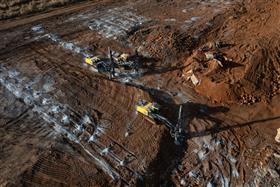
[(151, 111), (114, 63)]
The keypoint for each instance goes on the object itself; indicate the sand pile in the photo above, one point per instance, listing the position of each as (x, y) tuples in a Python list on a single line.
[(250, 71)]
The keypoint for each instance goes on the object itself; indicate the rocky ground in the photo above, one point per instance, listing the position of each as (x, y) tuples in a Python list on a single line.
[(63, 124)]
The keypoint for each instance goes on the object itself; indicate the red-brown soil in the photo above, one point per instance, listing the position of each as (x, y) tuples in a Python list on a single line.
[(230, 117)]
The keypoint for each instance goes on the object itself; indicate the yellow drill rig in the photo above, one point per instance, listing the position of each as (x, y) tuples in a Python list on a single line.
[(147, 108), (122, 63), (151, 111)]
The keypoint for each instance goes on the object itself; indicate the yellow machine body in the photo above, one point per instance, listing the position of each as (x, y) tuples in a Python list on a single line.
[(88, 60), (92, 60), (146, 108)]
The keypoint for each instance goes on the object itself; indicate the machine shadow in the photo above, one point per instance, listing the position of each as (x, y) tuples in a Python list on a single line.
[(169, 156), (201, 111), (229, 127)]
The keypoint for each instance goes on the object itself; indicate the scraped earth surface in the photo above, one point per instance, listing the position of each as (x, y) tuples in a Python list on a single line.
[(63, 124)]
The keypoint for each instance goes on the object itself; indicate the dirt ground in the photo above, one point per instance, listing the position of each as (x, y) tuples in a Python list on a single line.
[(15, 8), (63, 124)]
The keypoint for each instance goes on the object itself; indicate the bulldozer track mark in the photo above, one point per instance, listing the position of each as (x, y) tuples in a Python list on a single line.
[(30, 182), (128, 16), (59, 68), (57, 125), (45, 52), (53, 13), (17, 119), (62, 64), (116, 22), (45, 167)]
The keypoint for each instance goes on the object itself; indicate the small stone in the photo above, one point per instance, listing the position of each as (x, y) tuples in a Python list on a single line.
[(183, 182)]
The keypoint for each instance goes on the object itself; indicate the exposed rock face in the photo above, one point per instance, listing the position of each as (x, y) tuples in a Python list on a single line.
[(13, 8)]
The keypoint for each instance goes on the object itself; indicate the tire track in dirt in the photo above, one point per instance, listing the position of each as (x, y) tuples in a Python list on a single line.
[(102, 104), (74, 8), (105, 105), (17, 119), (120, 103), (215, 164), (4, 80)]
